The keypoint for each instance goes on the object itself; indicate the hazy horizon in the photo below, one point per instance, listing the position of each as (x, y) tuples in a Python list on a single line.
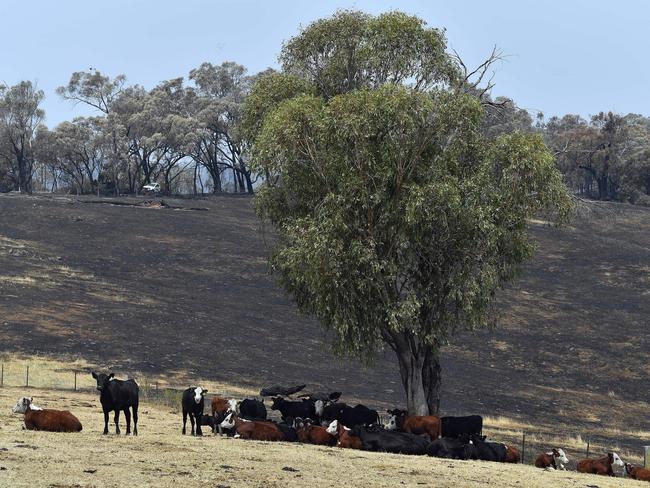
[(563, 57)]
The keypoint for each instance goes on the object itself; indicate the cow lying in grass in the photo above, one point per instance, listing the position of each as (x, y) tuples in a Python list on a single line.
[(555, 458), (37, 418), (637, 473), (602, 466)]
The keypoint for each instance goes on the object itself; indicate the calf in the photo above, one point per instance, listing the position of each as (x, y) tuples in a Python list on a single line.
[(555, 459), (459, 426), (252, 410), (636, 473), (252, 429), (378, 439), (602, 466), (118, 395), (344, 436), (37, 418), (220, 408), (449, 447), (193, 403), (209, 420), (414, 424), (313, 434), (305, 409)]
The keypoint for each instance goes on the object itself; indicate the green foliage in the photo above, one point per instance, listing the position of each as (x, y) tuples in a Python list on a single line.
[(399, 216)]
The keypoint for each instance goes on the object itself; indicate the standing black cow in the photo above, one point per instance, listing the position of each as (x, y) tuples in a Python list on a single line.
[(305, 409), (252, 410), (353, 416), (193, 403), (460, 426), (118, 395)]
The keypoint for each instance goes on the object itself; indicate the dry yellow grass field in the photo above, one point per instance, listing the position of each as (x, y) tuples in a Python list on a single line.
[(160, 456)]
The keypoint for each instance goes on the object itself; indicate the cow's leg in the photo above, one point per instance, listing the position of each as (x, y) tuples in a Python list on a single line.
[(105, 421), (117, 421), (192, 421), (184, 419), (199, 431), (127, 416), (135, 419)]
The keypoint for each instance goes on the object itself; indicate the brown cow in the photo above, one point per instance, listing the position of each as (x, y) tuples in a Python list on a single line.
[(313, 434), (37, 418), (220, 408), (429, 425), (637, 473), (252, 429), (345, 439), (512, 455), (602, 466), (555, 459)]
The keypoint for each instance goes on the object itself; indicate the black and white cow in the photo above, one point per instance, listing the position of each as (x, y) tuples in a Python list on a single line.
[(377, 439), (252, 409), (193, 403), (460, 426), (118, 395), (305, 409)]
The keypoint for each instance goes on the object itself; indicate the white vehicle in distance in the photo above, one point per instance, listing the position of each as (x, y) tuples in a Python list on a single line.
[(151, 188)]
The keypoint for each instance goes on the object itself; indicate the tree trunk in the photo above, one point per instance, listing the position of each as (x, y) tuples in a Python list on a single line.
[(419, 367)]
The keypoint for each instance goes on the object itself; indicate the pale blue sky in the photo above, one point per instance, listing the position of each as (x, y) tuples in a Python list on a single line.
[(565, 56)]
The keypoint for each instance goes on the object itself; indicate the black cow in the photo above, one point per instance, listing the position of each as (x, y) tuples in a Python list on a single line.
[(380, 440), (210, 421), (484, 450), (324, 397), (193, 403), (332, 411), (290, 434), (118, 395), (357, 415), (305, 409), (449, 447), (459, 426), (252, 410)]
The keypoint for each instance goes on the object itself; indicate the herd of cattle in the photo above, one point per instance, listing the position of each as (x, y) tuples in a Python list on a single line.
[(319, 418)]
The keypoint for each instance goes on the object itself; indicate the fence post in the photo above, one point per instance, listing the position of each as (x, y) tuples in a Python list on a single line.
[(27, 377), (646, 456), (523, 448), (2, 375), (587, 449), (75, 373)]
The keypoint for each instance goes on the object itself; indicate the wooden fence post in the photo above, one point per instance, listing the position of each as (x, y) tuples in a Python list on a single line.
[(646, 456), (2, 375), (75, 373), (587, 449), (27, 377), (523, 448)]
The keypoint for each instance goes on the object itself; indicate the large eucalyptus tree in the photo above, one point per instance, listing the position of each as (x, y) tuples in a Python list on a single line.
[(398, 217)]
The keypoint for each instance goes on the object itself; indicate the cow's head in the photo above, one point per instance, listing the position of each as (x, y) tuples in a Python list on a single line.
[(560, 456), (333, 427), (397, 412), (102, 379), (298, 423), (198, 394), (277, 403), (615, 459), (629, 469), (228, 422), (233, 406), (22, 405)]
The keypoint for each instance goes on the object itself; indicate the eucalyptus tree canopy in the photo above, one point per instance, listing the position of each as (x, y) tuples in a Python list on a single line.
[(398, 218), (20, 119)]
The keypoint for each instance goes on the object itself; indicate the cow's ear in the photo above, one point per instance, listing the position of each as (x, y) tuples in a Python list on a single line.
[(94, 374), (205, 390), (112, 375), (31, 399)]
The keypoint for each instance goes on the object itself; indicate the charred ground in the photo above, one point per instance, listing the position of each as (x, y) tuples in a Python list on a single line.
[(185, 293)]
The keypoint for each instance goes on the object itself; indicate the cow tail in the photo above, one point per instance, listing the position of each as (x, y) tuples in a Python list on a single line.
[(439, 428)]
